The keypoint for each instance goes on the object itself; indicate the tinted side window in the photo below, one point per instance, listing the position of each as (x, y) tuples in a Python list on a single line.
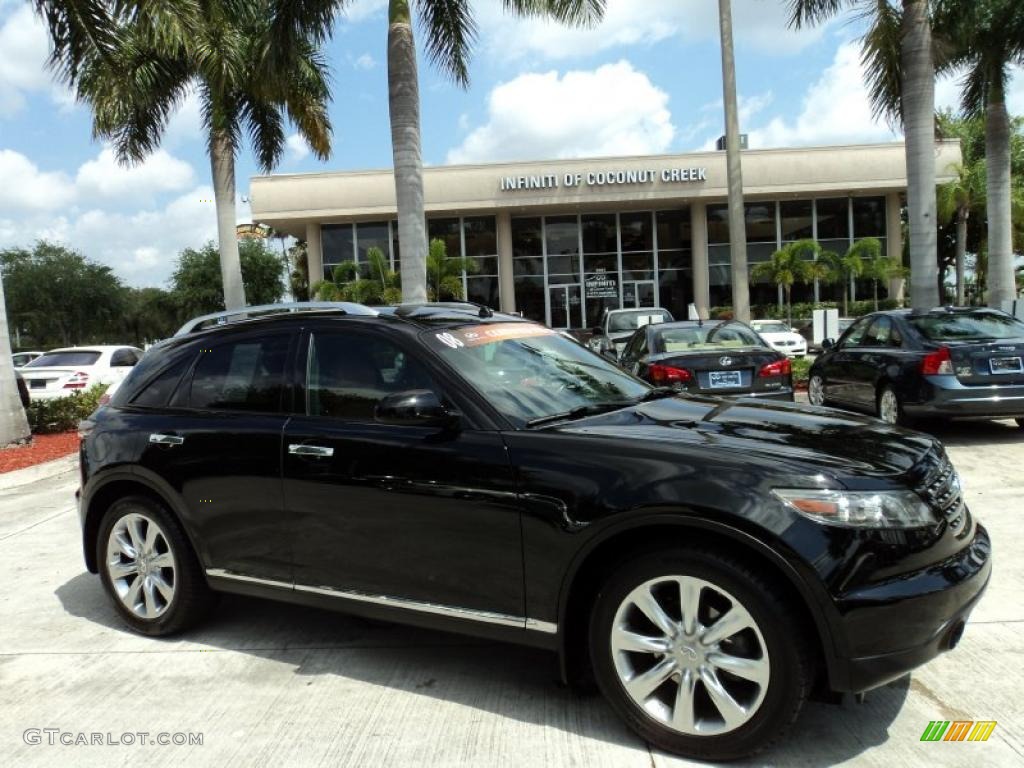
[(879, 334), (122, 357), (855, 335), (158, 391), (245, 375), (348, 373)]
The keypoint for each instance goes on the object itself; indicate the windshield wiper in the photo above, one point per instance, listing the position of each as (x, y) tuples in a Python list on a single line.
[(657, 393), (579, 412)]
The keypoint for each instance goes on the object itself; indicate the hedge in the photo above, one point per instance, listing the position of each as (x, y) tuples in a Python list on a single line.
[(804, 310), (62, 414)]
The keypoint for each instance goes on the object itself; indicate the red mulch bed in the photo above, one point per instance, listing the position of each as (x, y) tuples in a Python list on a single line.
[(42, 448)]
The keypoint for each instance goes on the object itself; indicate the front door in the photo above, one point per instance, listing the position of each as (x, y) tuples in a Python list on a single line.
[(637, 294), (420, 513), (566, 306)]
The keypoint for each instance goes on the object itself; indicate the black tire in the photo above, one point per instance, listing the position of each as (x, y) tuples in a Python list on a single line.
[(785, 639), (1020, 423), (192, 597)]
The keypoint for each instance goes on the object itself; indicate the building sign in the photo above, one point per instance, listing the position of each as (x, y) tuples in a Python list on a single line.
[(601, 286), (603, 178)]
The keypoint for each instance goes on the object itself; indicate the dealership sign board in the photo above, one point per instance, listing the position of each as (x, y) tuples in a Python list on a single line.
[(602, 178)]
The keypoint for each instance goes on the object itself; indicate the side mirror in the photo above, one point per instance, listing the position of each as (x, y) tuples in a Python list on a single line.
[(597, 331), (414, 408), (827, 344)]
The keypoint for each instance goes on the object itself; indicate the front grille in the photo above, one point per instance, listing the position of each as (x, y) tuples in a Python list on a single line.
[(941, 489)]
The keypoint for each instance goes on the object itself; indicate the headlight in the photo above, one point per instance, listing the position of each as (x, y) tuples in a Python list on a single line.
[(860, 509)]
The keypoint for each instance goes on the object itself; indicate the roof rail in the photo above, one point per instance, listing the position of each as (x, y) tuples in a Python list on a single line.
[(410, 310), (262, 310)]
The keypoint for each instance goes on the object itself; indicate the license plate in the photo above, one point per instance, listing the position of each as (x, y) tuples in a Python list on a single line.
[(37, 384), (725, 379), (1005, 365)]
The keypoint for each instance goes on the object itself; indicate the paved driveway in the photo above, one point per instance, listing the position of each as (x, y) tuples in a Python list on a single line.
[(267, 684)]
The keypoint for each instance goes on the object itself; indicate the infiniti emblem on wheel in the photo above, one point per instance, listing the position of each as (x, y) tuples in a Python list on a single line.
[(725, 360)]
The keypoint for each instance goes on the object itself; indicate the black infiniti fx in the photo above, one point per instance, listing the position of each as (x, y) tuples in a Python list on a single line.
[(711, 563), (959, 363)]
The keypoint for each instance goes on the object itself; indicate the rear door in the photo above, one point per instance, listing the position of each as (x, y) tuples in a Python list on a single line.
[(840, 368), (218, 446)]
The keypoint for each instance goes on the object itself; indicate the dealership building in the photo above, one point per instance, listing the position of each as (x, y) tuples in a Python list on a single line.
[(562, 240)]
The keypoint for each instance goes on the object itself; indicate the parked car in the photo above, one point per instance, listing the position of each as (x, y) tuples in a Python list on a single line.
[(710, 561), (781, 337), (22, 389), (807, 332), (617, 325), (24, 358), (61, 372), (952, 363), (723, 358)]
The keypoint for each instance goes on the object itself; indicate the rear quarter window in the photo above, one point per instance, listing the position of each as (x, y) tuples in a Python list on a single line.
[(158, 390)]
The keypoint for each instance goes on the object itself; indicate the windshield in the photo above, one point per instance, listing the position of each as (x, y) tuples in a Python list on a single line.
[(630, 321), (529, 372), (772, 328), (972, 326), (75, 357), (691, 337)]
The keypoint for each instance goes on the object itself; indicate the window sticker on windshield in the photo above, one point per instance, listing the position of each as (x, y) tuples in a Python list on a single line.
[(477, 335), (649, 320)]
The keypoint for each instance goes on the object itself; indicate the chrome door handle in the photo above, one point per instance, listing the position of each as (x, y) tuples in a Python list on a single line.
[(159, 439), (316, 451)]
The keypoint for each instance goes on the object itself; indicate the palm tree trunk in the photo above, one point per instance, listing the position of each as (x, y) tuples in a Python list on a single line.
[(13, 424), (961, 250), (222, 161), (737, 223), (404, 107), (918, 102), (789, 304), (1001, 284), (874, 291)]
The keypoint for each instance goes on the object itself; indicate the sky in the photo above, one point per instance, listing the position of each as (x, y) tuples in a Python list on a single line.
[(647, 80)]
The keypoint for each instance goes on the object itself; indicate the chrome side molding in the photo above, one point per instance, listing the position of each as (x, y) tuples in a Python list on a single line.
[(454, 612)]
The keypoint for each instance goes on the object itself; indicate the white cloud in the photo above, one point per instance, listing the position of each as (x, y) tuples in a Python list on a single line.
[(835, 110), (296, 146), (758, 24), (105, 177), (186, 124), (364, 62), (360, 10), (27, 188), (613, 110), (24, 47)]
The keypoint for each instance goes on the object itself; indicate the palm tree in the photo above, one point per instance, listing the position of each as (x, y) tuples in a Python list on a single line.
[(988, 37), (879, 268), (13, 424), (375, 284), (734, 169), (899, 59), (788, 265), (843, 270), (956, 198), (253, 64), (444, 272), (450, 31)]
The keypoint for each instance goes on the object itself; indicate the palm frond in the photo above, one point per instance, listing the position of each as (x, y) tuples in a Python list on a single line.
[(580, 13), (450, 34), (79, 29), (881, 57), (806, 13)]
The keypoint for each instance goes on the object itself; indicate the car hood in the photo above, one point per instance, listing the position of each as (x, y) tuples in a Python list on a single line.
[(777, 433)]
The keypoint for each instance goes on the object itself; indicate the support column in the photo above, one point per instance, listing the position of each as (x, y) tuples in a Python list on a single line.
[(506, 283), (894, 242), (699, 258), (314, 254)]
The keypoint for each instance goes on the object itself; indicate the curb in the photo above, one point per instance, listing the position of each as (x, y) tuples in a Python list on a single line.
[(39, 472)]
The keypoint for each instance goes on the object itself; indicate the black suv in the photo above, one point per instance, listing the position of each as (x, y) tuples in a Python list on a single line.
[(711, 563)]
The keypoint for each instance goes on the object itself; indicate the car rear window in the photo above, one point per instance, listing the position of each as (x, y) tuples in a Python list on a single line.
[(973, 326), (58, 359), (630, 321), (721, 336)]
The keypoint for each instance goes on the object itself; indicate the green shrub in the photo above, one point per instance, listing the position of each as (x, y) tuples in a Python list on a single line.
[(62, 414), (801, 370)]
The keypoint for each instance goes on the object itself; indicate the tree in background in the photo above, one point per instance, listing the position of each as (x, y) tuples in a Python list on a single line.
[(150, 314), (298, 274), (196, 287), (987, 38), (254, 65), (956, 198), (444, 272), (13, 422), (878, 268), (450, 32), (900, 69), (372, 283), (843, 270), (58, 297), (788, 265)]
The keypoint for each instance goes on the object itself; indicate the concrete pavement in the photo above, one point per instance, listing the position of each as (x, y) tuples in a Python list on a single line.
[(269, 684)]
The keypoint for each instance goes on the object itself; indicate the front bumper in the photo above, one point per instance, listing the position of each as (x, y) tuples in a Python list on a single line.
[(903, 623), (946, 396)]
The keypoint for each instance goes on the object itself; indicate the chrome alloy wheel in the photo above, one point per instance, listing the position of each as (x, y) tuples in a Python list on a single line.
[(141, 566), (690, 655), (816, 390), (888, 407)]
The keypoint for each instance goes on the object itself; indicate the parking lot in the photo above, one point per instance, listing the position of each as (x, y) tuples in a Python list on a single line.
[(265, 683)]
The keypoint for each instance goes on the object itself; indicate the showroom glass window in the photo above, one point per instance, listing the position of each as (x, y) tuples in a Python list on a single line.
[(869, 221), (762, 242), (351, 243), (796, 222), (528, 267), (474, 238), (719, 272), (675, 261), (600, 263)]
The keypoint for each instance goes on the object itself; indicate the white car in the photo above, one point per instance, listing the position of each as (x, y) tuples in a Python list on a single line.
[(781, 337), (24, 358), (61, 372)]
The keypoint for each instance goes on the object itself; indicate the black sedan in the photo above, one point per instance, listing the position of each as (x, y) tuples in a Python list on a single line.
[(953, 363), (722, 358)]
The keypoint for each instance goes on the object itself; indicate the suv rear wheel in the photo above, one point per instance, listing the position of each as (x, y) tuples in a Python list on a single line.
[(148, 568), (698, 654)]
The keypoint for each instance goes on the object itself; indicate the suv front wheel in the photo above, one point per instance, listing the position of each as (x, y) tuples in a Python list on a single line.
[(698, 654), (148, 568)]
